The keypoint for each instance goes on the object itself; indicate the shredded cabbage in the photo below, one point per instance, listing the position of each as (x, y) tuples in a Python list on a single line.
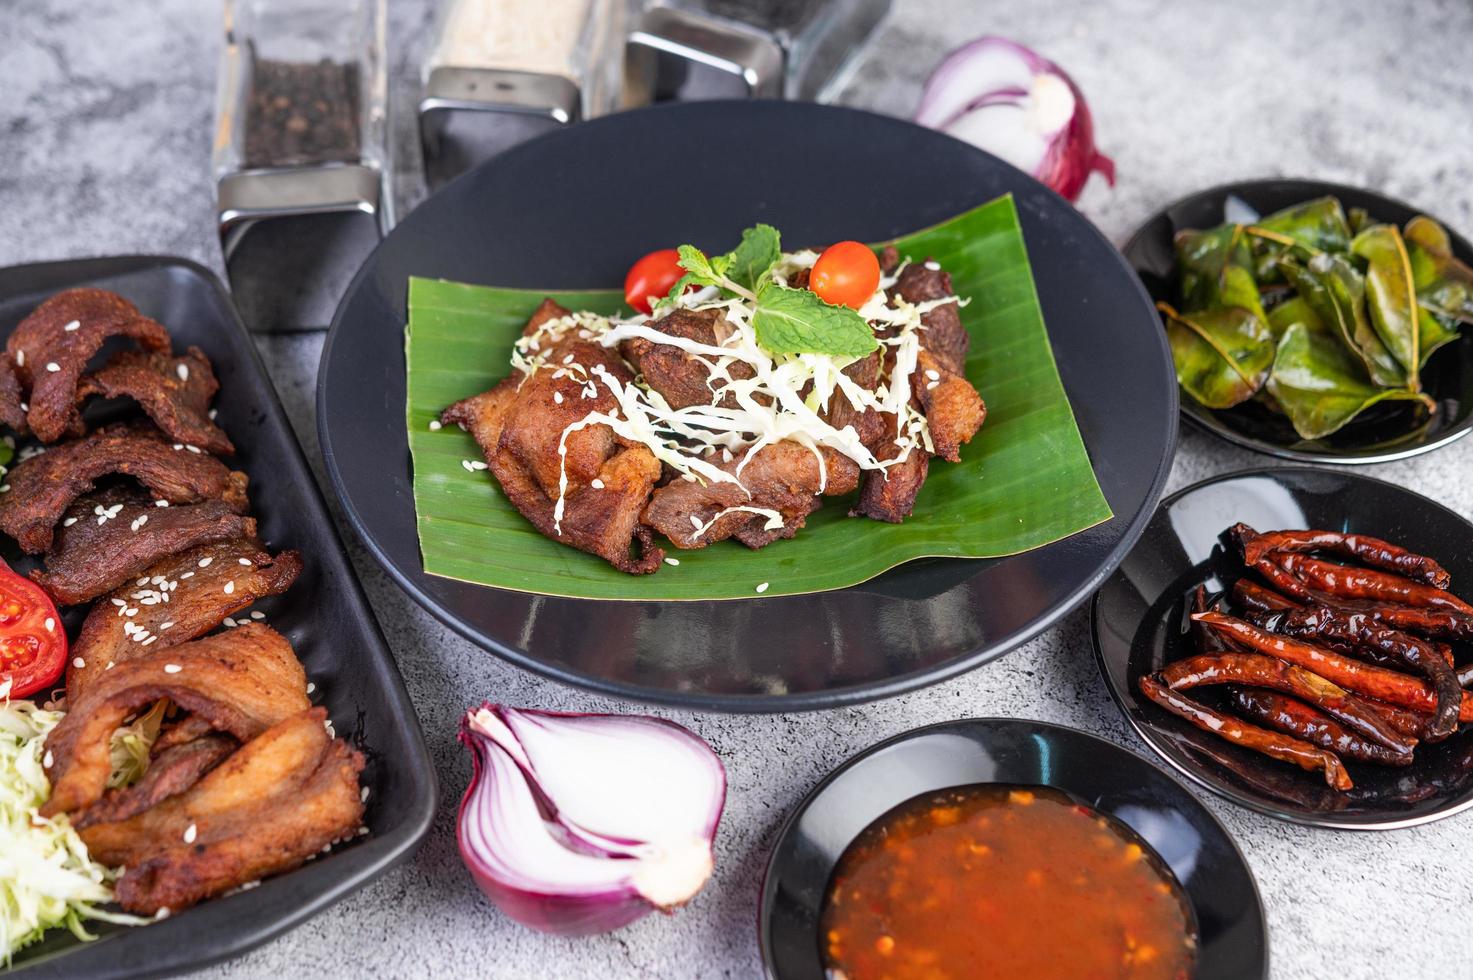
[(46, 877)]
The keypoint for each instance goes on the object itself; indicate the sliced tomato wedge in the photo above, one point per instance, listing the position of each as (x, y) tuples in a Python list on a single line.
[(33, 644)]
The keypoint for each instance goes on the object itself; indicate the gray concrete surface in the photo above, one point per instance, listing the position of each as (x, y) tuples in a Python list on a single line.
[(105, 111)]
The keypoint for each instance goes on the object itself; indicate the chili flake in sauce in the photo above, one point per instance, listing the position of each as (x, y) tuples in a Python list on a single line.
[(1004, 881)]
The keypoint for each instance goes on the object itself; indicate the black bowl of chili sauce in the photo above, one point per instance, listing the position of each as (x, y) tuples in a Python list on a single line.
[(1023, 796)]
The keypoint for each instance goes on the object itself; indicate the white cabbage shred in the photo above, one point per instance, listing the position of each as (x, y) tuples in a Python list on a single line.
[(46, 877)]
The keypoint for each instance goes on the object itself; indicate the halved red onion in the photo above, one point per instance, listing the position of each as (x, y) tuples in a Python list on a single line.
[(577, 824), (1014, 103)]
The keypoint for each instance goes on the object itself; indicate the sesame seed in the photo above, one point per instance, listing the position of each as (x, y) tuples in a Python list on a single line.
[(187, 575), (931, 384), (363, 795), (695, 522), (69, 522), (74, 325), (596, 483), (172, 668), (79, 663), (183, 371), (48, 759), (230, 622), (161, 503), (139, 521), (311, 687), (143, 580), (257, 614), (164, 626), (435, 425), (109, 665), (933, 374), (205, 561), (568, 359), (131, 611), (162, 913), (557, 397), (933, 265), (245, 561), (20, 358), (190, 832), (672, 561), (52, 366), (193, 449), (762, 587), (130, 628), (119, 602), (213, 413), (229, 587), (178, 446), (50, 625), (726, 455)]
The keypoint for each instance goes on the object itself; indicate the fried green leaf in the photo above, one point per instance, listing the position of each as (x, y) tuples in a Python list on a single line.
[(1294, 310), (1444, 284), (1217, 270), (1319, 225), (1391, 297), (1433, 331), (1222, 356), (1320, 386), (1336, 291)]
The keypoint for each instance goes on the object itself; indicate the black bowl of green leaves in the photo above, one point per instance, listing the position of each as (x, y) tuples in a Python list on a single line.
[(1313, 321)]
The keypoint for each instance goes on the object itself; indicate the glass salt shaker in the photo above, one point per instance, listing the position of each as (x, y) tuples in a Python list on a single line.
[(300, 154), (700, 49), (502, 71)]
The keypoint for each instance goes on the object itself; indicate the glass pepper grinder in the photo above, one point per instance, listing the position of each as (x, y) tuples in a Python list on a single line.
[(300, 154), (684, 50), (502, 71)]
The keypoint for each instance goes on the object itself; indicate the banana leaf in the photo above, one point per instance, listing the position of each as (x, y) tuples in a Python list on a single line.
[(1391, 295), (1320, 386), (1222, 356), (1217, 270), (1444, 285), (1024, 481), (1336, 291)]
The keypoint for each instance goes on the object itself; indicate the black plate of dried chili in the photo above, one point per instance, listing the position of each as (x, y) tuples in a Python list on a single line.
[(1343, 639)]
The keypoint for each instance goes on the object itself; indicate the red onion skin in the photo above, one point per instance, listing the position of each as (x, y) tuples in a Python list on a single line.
[(558, 914)]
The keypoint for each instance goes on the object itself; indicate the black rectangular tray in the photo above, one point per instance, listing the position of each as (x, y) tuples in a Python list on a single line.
[(324, 615)]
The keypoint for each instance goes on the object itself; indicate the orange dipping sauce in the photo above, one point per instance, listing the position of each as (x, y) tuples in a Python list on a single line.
[(1000, 882)]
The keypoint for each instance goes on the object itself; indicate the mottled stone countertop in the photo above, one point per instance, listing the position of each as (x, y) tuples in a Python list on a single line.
[(105, 120)]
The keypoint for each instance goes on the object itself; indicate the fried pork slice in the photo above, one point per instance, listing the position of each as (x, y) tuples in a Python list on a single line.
[(783, 477), (175, 600), (939, 389), (42, 487), (519, 425), (169, 773), (99, 552), (684, 378), (12, 398), (280, 799), (174, 391), (242, 681), (52, 346)]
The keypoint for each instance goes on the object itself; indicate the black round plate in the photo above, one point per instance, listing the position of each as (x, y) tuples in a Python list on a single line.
[(568, 210), (1383, 432), (1139, 622), (1234, 935)]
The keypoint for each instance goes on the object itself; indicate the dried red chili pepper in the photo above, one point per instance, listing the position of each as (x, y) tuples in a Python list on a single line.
[(1372, 551), (1250, 595), (1365, 679), (1404, 720), (1349, 582), (1358, 630), (1296, 718), (1257, 670), (1276, 745), (1281, 579)]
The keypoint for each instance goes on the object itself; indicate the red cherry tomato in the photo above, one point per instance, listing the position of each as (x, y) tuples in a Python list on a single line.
[(32, 654), (846, 274), (652, 277)]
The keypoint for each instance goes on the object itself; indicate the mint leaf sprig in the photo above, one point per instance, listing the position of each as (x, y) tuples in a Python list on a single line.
[(785, 320)]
